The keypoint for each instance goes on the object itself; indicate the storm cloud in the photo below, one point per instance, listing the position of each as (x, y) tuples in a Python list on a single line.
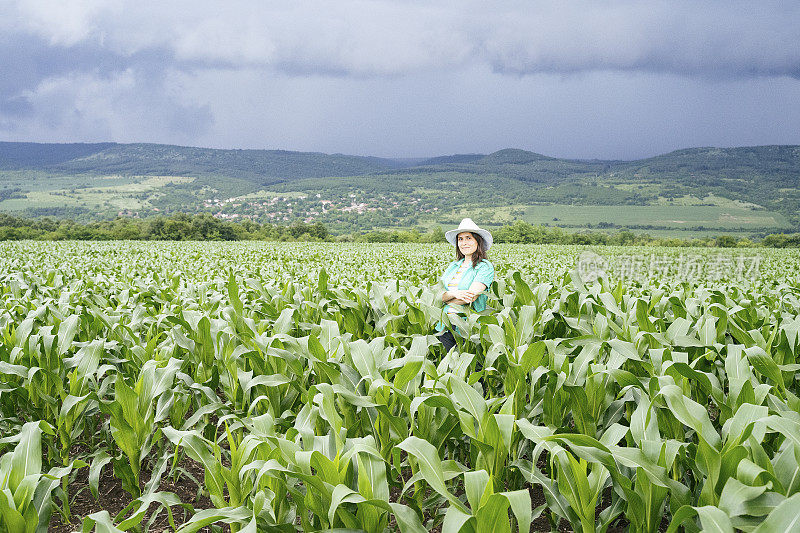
[(129, 70)]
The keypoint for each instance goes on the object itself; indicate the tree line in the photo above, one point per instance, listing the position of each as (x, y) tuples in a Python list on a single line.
[(521, 232), (177, 227), (205, 227)]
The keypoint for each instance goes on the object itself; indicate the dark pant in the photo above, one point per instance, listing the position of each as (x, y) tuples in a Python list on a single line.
[(447, 340)]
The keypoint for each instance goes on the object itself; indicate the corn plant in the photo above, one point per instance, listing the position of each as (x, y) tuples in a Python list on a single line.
[(26, 491), (134, 418), (307, 381)]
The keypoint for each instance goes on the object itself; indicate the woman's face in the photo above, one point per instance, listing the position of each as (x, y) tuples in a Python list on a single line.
[(467, 243)]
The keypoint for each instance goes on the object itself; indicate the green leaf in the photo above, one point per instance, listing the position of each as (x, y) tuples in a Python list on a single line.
[(322, 282), (492, 517), (407, 519), (99, 461), (736, 495), (476, 483), (712, 519), (430, 466), (520, 501), (101, 522), (364, 359), (9, 515), (466, 397), (166, 499), (227, 515), (523, 291), (455, 520), (784, 518), (233, 293), (765, 365), (691, 414), (66, 332), (27, 457), (785, 426), (285, 322), (342, 494)]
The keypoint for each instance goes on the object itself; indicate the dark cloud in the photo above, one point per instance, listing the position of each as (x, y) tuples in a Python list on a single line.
[(694, 39), (384, 38), (128, 106), (29, 59), (128, 71), (32, 64)]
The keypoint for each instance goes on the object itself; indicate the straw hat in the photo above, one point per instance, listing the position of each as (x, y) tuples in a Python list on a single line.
[(468, 225)]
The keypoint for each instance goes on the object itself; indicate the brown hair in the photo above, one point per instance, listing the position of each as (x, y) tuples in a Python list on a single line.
[(480, 252)]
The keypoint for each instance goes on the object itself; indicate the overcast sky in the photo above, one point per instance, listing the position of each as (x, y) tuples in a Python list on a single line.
[(593, 79)]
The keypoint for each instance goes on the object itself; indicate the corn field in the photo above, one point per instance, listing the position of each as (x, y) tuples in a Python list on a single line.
[(299, 387)]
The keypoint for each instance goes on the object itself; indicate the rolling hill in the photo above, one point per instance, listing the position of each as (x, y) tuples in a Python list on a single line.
[(695, 191)]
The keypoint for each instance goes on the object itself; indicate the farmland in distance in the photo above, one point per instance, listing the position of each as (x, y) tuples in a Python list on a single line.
[(299, 387)]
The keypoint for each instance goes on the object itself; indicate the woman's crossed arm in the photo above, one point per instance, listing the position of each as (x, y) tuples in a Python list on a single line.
[(464, 297)]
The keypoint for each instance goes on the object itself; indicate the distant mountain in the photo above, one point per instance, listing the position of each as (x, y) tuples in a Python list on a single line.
[(758, 174), (450, 159), (511, 156), (753, 189), (17, 156), (261, 166)]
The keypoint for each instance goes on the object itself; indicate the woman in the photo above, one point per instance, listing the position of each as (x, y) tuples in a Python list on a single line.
[(467, 278)]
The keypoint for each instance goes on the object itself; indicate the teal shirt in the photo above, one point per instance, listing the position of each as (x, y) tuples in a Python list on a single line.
[(484, 273)]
